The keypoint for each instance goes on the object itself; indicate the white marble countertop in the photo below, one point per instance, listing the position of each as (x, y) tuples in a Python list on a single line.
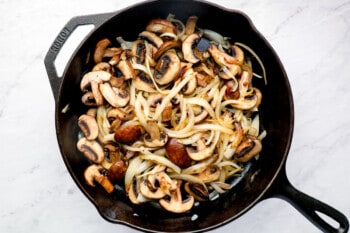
[(37, 193)]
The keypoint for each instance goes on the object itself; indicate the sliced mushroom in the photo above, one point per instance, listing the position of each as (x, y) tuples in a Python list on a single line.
[(177, 153), (187, 48), (124, 114), (93, 174), (88, 99), (154, 137), (88, 126), (139, 50), (157, 185), (202, 151), (151, 37), (91, 149), (116, 172), (176, 204), (165, 47), (221, 57), (248, 148), (133, 191), (210, 174), (96, 92), (100, 49), (192, 84), (237, 136), (191, 25), (198, 191), (127, 134), (97, 76), (126, 68), (161, 26), (237, 53), (112, 154), (117, 81), (249, 101), (116, 97), (104, 66), (232, 91), (143, 82), (168, 67)]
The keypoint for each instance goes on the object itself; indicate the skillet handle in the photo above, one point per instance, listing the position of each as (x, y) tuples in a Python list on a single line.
[(67, 30), (309, 206)]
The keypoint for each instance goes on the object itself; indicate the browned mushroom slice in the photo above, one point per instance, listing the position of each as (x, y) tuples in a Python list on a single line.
[(139, 51), (112, 154), (91, 149), (88, 99), (126, 68), (177, 153), (127, 134), (198, 191), (160, 26), (157, 185), (237, 53), (221, 57), (165, 47), (202, 151), (210, 174), (248, 149), (93, 174), (237, 136), (151, 37), (191, 25), (188, 46), (154, 137), (88, 126), (176, 204), (104, 66), (100, 49), (116, 97), (167, 68), (96, 92), (248, 101), (143, 82), (191, 86), (97, 76), (232, 91)]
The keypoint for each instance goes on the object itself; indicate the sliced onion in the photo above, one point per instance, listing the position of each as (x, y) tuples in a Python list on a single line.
[(246, 47), (174, 91), (189, 178), (208, 126), (199, 167), (190, 140), (131, 171), (161, 160)]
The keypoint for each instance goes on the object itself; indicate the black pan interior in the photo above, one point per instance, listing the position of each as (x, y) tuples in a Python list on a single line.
[(276, 112)]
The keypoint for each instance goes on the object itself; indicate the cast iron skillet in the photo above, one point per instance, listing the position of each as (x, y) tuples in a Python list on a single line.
[(264, 179)]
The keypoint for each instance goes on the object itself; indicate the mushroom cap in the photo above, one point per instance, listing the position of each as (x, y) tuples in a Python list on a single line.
[(127, 134), (177, 153)]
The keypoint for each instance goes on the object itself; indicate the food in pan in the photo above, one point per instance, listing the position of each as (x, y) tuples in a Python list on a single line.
[(172, 115)]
